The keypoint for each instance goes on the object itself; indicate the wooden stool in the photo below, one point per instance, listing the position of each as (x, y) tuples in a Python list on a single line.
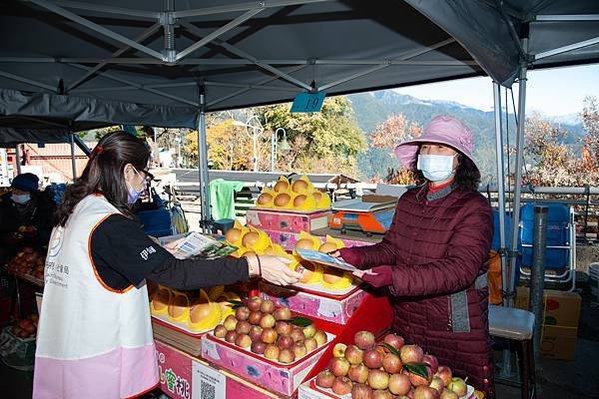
[(517, 325)]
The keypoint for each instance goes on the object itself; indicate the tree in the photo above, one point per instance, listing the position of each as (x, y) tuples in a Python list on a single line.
[(590, 123)]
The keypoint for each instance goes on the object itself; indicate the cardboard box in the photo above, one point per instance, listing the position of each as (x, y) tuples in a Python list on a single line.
[(288, 239), (336, 309), (562, 308), (274, 376), (559, 342), (282, 220)]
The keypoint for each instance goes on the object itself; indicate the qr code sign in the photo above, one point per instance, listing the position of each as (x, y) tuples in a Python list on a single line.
[(207, 390)]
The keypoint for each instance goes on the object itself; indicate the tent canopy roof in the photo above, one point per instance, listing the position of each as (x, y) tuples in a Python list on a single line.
[(90, 63)]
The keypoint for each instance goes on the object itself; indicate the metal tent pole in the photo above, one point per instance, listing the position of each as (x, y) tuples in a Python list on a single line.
[(500, 184), (203, 165), (18, 159), (73, 161), (518, 179)]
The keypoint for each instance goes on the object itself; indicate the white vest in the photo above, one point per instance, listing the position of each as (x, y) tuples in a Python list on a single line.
[(93, 341)]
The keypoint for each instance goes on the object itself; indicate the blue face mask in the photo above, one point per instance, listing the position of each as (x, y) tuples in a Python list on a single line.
[(435, 168), (21, 199), (133, 194)]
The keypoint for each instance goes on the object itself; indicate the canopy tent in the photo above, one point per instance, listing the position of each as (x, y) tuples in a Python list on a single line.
[(74, 65)]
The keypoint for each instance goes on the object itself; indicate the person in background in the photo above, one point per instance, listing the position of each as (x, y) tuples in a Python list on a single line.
[(25, 211), (25, 155), (94, 335), (433, 258)]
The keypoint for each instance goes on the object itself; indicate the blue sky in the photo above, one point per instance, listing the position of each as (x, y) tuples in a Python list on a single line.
[(553, 92)]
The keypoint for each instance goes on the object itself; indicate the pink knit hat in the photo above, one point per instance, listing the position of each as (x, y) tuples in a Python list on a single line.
[(442, 129)]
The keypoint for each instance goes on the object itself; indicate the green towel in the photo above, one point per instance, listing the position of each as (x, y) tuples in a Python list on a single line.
[(222, 198)]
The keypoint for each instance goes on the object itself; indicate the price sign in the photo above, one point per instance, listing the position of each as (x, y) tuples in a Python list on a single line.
[(308, 102)]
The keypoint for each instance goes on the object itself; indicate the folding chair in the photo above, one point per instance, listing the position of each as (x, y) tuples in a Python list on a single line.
[(560, 258)]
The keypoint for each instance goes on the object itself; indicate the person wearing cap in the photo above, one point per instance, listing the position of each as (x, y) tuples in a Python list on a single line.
[(25, 206), (433, 258)]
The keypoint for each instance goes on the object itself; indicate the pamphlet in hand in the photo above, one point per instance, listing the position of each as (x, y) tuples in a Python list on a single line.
[(325, 259), (195, 244)]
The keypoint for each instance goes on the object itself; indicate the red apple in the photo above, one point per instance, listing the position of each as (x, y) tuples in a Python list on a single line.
[(297, 334), (423, 392), (399, 384), (325, 379), (231, 336), (255, 317), (418, 380), (243, 327), (271, 352), (285, 342), (342, 386), (258, 347), (382, 394), (242, 313), (255, 333), (437, 384), (358, 373), (392, 363), (354, 354), (378, 379), (286, 355), (267, 321), (361, 391), (411, 354), (431, 361), (445, 374), (373, 358), (220, 331), (243, 341), (254, 304), (269, 336), (230, 322), (339, 366), (364, 340), (283, 328), (299, 349), (282, 314), (267, 306), (396, 341)]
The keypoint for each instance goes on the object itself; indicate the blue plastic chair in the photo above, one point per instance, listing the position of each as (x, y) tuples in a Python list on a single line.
[(560, 258)]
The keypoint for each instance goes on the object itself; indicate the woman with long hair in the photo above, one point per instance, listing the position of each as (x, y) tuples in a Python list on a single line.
[(433, 258), (95, 335)]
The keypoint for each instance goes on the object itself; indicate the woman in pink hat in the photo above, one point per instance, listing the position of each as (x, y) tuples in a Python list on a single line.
[(433, 258)]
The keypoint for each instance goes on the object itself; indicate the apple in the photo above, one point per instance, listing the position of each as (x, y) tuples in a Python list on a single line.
[(285, 342), (364, 340), (339, 366), (299, 349), (382, 394), (286, 355), (283, 328), (392, 363), (342, 386), (378, 379), (283, 314), (243, 341), (423, 392), (418, 380), (220, 331), (399, 384), (361, 391), (396, 341), (373, 358), (325, 379), (431, 361), (254, 304), (242, 313), (354, 355), (269, 335), (230, 322), (267, 306), (358, 373), (437, 384), (458, 386), (231, 336), (309, 331), (411, 354), (447, 394), (255, 317), (271, 352), (445, 374), (339, 350), (320, 337), (297, 334), (267, 320), (255, 333), (310, 344), (258, 347), (243, 327)]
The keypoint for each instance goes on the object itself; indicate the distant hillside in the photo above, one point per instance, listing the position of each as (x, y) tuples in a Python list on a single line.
[(373, 108)]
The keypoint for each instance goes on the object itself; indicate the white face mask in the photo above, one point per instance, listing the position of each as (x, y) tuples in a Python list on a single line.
[(435, 168), (21, 199)]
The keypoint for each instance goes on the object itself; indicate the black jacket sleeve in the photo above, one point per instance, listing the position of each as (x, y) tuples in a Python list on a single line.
[(123, 255)]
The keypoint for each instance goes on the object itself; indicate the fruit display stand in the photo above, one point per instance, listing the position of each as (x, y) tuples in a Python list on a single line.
[(288, 220)]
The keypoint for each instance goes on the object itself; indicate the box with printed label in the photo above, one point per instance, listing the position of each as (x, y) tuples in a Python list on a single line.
[(291, 221), (270, 374), (559, 342), (336, 309), (561, 308)]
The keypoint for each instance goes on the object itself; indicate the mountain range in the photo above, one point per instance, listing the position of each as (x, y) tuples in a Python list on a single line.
[(373, 108)]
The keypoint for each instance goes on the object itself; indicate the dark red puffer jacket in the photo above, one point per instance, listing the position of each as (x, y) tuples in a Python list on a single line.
[(438, 245)]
